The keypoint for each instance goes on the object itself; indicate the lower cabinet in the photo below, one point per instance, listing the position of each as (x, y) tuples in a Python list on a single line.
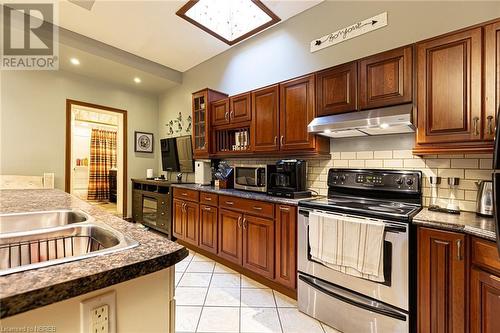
[(258, 245), (178, 219), (208, 228), (286, 246), (441, 281), (230, 236), (484, 302), (185, 221)]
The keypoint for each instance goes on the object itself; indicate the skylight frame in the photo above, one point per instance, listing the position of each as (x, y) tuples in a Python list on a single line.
[(274, 19)]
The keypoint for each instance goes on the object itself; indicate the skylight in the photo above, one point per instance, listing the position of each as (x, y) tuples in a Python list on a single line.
[(229, 20)]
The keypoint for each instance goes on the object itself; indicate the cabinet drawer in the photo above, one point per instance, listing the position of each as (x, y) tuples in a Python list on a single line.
[(254, 207), (184, 194), (485, 254), (209, 198)]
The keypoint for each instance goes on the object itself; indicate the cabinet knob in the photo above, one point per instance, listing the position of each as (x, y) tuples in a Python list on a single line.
[(490, 124)]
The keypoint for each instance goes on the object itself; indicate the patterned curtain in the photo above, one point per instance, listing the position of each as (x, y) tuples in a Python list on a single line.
[(102, 158)]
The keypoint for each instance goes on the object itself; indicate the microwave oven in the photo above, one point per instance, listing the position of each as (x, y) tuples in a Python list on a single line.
[(250, 178)]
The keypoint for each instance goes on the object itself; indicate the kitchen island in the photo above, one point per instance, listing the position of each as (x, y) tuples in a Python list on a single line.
[(142, 277)]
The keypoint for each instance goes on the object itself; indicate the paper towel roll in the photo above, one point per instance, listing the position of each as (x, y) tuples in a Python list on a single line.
[(149, 173)]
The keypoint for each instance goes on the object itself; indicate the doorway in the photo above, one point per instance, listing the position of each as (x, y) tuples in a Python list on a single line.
[(96, 155)]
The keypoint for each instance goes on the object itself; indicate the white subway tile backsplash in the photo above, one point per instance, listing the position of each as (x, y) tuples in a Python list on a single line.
[(478, 174), (348, 155), (446, 173), (340, 164), (470, 195), (465, 163), (437, 163), (402, 154), (414, 163), (356, 163), (364, 155), (336, 155), (382, 154), (486, 163), (374, 163), (393, 163)]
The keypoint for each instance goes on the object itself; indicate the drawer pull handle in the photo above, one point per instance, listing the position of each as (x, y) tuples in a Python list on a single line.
[(285, 209), (490, 124), (257, 208), (281, 140), (245, 223), (207, 209), (231, 115), (476, 125), (162, 213), (239, 222), (208, 198), (276, 140), (184, 194), (229, 203), (459, 249), (226, 116), (496, 278)]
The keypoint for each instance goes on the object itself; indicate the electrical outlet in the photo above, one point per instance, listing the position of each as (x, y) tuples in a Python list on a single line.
[(99, 319), (98, 314)]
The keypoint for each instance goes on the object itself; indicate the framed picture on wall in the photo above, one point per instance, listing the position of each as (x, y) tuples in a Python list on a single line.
[(143, 142)]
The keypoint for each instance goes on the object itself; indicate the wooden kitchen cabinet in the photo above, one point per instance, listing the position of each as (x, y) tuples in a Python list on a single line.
[(336, 89), (484, 302), (185, 221), (230, 235), (449, 91), (178, 218), (265, 119), (286, 245), (492, 78), (208, 228), (258, 245), (296, 112), (442, 277), (240, 108), (386, 78), (220, 112)]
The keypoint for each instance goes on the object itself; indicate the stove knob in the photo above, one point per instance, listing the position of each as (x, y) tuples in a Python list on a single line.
[(399, 181), (342, 178), (335, 178), (409, 182)]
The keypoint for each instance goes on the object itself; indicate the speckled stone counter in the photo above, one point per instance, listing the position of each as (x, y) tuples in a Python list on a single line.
[(466, 222), (240, 193), (24, 291)]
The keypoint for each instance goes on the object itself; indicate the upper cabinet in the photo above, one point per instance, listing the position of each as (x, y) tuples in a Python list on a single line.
[(491, 78), (336, 89), (201, 109), (265, 119), (220, 112), (296, 112), (386, 78), (235, 109)]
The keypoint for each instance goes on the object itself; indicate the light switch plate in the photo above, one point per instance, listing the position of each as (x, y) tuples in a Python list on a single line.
[(93, 310)]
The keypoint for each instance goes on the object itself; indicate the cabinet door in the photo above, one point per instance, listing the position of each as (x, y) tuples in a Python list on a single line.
[(296, 112), (191, 222), (492, 78), (449, 88), (265, 119), (178, 219), (386, 78), (485, 302), (258, 245), (230, 234), (208, 228), (336, 89), (137, 205), (240, 108), (441, 281), (220, 112), (200, 123), (286, 245)]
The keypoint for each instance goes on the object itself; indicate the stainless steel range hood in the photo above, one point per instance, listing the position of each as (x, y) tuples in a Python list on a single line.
[(389, 120)]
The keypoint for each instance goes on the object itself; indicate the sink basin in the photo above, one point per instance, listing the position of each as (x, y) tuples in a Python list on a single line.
[(56, 237)]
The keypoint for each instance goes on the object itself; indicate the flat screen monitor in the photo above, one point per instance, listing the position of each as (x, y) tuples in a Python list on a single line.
[(177, 154), (169, 157)]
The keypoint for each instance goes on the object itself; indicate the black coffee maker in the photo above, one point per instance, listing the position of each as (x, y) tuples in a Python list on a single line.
[(287, 178)]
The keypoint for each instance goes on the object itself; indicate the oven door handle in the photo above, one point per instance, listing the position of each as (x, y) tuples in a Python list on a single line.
[(353, 299)]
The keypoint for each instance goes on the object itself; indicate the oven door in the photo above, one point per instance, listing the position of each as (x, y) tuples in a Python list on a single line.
[(393, 291)]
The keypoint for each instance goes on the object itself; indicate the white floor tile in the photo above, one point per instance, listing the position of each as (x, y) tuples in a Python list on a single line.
[(223, 297), (257, 298), (190, 295), (219, 268), (284, 301), (186, 318), (199, 257), (220, 280), (249, 283), (294, 321), (329, 329), (220, 320), (178, 277), (200, 267), (260, 320), (181, 266), (195, 280)]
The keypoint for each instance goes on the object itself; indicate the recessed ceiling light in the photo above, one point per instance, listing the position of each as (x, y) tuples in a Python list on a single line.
[(137, 80), (229, 21), (74, 61)]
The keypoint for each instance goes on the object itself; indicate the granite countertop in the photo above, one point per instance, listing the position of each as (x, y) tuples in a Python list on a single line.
[(466, 222), (24, 291), (240, 193)]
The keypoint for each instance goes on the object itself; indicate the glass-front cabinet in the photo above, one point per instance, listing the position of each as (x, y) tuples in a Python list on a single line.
[(201, 120)]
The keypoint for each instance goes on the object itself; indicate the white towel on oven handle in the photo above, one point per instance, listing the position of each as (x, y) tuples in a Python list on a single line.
[(350, 245)]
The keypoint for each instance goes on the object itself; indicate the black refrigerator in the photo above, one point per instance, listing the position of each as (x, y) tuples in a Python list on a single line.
[(496, 181)]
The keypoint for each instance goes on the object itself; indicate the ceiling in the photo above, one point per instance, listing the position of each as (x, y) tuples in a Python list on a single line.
[(151, 30)]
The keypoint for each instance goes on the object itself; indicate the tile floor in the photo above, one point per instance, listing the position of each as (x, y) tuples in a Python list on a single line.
[(213, 298)]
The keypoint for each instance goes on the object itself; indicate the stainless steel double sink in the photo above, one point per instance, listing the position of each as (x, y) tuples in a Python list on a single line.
[(38, 239)]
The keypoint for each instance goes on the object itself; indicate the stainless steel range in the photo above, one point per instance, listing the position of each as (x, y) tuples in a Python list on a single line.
[(351, 303)]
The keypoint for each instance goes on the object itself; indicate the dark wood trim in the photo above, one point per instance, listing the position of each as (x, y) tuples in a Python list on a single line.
[(67, 169), (257, 277), (274, 19)]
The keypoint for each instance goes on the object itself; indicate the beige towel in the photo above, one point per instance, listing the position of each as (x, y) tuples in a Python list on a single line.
[(347, 244)]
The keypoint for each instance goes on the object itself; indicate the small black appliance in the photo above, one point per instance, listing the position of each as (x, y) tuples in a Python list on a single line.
[(287, 178)]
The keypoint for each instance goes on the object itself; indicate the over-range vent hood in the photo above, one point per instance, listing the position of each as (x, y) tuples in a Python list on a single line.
[(388, 120)]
